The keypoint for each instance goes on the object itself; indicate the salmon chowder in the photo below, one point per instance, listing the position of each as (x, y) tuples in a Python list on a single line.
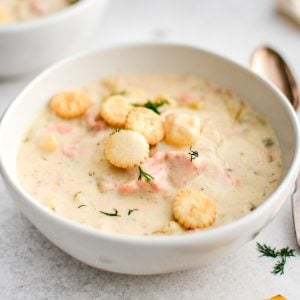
[(150, 155), (13, 11)]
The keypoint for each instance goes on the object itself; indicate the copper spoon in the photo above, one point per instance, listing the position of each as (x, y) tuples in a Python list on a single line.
[(270, 65)]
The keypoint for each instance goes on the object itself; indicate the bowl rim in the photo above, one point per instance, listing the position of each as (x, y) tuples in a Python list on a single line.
[(205, 236), (46, 20)]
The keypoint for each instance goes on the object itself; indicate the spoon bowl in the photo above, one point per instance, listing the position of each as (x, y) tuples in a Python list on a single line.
[(269, 64)]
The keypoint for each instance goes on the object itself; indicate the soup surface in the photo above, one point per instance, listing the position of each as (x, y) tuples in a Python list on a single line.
[(12, 11), (150, 154)]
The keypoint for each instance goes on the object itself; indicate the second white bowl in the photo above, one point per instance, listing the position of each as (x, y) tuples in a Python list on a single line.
[(30, 45)]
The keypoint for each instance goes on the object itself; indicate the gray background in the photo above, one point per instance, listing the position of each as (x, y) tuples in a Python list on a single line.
[(33, 268)]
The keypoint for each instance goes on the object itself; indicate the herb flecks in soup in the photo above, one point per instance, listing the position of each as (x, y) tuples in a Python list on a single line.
[(13, 11), (151, 154)]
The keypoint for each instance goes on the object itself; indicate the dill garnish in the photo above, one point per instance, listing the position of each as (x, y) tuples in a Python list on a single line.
[(268, 142), (130, 211), (283, 253), (121, 93), (194, 154), (114, 214), (147, 176), (71, 2), (153, 105), (116, 130), (77, 194), (82, 205), (272, 181)]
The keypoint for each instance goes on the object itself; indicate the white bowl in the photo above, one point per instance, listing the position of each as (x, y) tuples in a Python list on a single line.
[(31, 45), (148, 255)]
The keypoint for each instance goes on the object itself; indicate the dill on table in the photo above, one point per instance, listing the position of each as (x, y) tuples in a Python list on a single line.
[(114, 214), (153, 105), (282, 254), (145, 175), (193, 153)]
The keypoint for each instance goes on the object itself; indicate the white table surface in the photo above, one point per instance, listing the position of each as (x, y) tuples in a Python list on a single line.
[(33, 268)]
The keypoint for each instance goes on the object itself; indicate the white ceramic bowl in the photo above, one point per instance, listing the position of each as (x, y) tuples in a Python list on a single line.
[(148, 255), (31, 45)]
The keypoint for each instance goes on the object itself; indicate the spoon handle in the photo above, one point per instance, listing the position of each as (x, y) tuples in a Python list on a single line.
[(270, 65), (296, 210)]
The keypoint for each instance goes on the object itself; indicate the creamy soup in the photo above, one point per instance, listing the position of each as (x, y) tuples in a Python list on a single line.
[(135, 179), (12, 11)]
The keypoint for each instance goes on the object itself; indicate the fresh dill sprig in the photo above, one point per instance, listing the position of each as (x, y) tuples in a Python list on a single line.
[(266, 250), (287, 252), (130, 211), (121, 93), (194, 154), (144, 174), (153, 105), (279, 267), (75, 196), (283, 253), (114, 214), (82, 205), (115, 131), (268, 142)]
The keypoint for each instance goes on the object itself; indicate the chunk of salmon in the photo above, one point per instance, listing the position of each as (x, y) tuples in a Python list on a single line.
[(186, 98), (182, 169), (71, 150), (61, 128), (95, 122), (171, 168), (156, 167), (38, 8)]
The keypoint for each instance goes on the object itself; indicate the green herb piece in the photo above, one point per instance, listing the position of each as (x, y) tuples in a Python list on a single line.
[(130, 211), (122, 93), (153, 105), (287, 252), (116, 130), (77, 194), (82, 205), (114, 214), (266, 250), (268, 142), (272, 181), (194, 154), (71, 2), (91, 173), (147, 176), (283, 253), (229, 170), (279, 267)]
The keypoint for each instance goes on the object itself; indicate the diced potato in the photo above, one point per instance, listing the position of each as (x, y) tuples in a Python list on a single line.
[(48, 143)]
